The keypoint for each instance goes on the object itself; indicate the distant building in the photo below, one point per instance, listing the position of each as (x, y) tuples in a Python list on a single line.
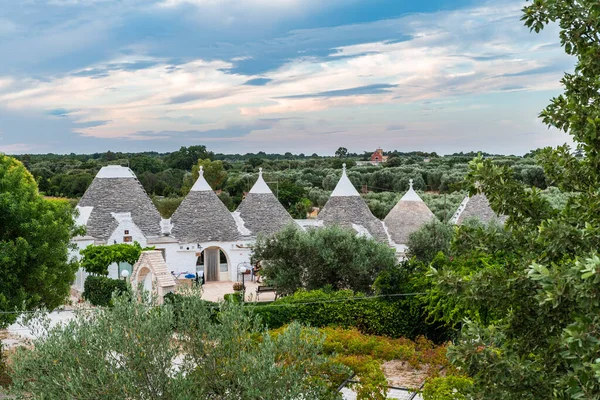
[(378, 157)]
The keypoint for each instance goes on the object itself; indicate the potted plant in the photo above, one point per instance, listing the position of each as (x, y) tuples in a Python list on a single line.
[(238, 287)]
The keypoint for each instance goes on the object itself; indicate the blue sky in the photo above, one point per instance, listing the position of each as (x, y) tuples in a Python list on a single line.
[(274, 75)]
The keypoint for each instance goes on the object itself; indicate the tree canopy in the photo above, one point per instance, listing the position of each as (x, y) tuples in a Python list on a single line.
[(330, 256), (35, 267), (97, 259), (530, 291)]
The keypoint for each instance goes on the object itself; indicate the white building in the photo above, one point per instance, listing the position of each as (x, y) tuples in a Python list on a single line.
[(407, 216), (204, 237)]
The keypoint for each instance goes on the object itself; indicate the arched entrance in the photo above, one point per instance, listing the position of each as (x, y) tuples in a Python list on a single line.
[(213, 264), (144, 277)]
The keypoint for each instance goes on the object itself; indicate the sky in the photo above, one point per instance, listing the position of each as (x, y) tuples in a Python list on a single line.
[(304, 76)]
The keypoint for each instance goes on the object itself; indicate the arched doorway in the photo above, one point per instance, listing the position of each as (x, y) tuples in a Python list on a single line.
[(144, 277), (213, 264)]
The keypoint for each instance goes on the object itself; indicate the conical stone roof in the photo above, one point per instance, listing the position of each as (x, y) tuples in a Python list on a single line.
[(260, 210), (115, 189), (347, 209), (202, 217), (407, 216), (478, 207)]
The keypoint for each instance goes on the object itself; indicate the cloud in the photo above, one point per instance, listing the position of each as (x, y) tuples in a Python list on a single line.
[(258, 81), (355, 91), (396, 127), (15, 148), (139, 76)]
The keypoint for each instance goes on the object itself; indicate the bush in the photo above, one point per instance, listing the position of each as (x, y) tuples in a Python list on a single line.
[(448, 388), (433, 237), (395, 317), (335, 256), (98, 290), (233, 297)]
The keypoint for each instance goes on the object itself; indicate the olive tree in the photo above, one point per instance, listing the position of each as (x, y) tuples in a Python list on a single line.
[(330, 256), (182, 350)]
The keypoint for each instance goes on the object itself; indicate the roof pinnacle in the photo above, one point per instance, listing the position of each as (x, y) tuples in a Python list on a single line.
[(410, 182)]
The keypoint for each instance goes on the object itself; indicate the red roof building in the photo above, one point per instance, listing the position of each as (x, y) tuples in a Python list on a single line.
[(378, 157)]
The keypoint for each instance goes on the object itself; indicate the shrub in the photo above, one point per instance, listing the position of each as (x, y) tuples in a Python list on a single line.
[(237, 286), (447, 388), (318, 257), (234, 297), (98, 290), (429, 240), (394, 317), (127, 352)]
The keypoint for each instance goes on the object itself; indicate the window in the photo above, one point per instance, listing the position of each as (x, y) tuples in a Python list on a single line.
[(127, 239), (126, 232), (222, 261)]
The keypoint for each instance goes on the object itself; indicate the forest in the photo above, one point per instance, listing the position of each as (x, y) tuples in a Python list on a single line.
[(300, 182)]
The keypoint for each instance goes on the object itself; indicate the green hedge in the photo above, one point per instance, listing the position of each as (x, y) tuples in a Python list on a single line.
[(396, 317), (98, 290), (234, 297)]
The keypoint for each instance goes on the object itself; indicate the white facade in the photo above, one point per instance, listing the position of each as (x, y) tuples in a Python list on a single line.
[(181, 258)]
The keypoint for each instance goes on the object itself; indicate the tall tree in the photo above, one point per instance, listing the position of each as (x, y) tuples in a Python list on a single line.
[(186, 157), (35, 267), (341, 152), (214, 172), (541, 285)]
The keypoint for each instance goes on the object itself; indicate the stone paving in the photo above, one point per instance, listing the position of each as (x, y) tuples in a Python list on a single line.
[(214, 291)]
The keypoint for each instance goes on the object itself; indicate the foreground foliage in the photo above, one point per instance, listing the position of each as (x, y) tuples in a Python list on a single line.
[(34, 271), (364, 354), (132, 351), (530, 293)]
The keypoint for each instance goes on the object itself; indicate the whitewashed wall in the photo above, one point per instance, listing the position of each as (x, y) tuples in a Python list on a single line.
[(127, 224), (80, 275), (181, 257)]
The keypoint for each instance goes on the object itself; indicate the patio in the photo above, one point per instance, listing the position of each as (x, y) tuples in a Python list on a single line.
[(215, 291)]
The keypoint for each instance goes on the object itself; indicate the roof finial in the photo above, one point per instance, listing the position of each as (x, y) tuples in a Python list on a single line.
[(344, 168), (410, 182), (201, 171), (260, 172)]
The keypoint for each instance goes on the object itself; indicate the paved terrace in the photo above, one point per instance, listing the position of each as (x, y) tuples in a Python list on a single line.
[(215, 291)]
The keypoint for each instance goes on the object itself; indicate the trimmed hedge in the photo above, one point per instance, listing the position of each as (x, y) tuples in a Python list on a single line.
[(392, 317), (234, 297), (98, 290)]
